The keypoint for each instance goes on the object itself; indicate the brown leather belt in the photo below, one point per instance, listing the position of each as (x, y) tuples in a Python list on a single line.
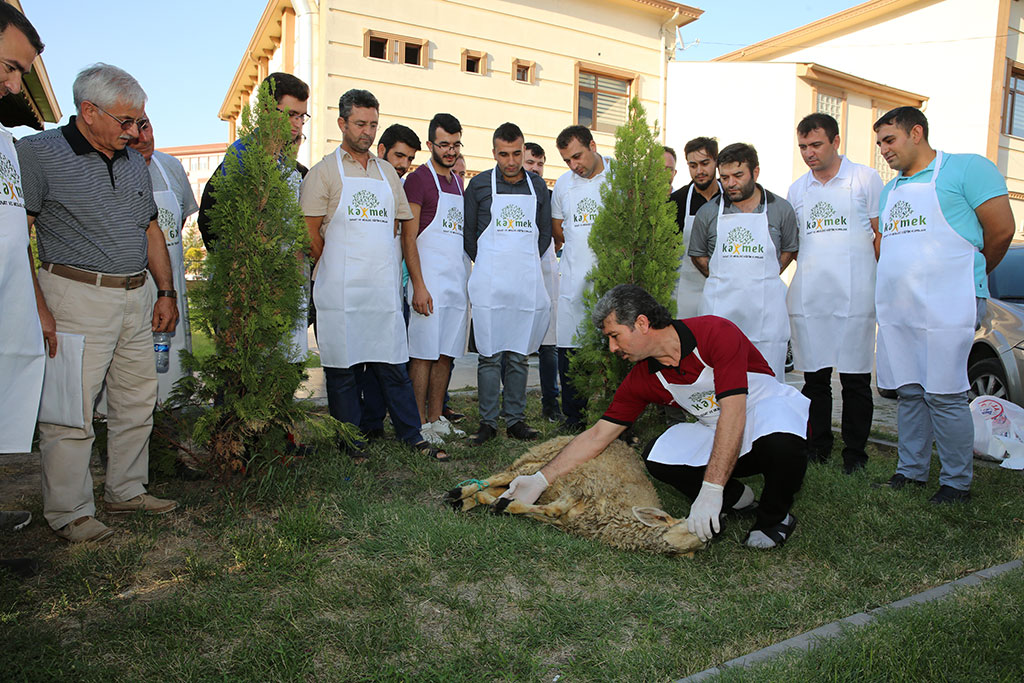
[(98, 279)]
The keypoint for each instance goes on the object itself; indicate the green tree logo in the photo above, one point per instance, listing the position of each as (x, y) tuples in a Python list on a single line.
[(165, 219), (362, 203), (453, 221), (901, 210), (10, 181), (586, 210), (703, 402), (510, 216), (820, 212), (739, 236)]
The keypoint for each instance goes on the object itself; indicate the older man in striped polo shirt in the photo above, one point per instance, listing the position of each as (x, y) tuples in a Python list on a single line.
[(91, 201)]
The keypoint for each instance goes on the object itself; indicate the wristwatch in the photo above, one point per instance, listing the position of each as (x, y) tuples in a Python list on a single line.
[(166, 292)]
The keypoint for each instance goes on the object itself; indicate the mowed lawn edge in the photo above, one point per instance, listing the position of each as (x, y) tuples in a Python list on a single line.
[(327, 571)]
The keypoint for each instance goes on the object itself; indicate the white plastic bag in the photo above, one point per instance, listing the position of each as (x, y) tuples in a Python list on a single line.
[(998, 431), (62, 402)]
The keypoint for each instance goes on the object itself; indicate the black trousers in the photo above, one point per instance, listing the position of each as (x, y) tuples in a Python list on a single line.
[(858, 408), (780, 457)]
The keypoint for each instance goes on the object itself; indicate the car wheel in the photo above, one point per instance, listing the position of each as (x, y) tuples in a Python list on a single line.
[(986, 378)]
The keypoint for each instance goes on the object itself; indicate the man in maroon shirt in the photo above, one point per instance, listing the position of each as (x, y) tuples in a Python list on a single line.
[(748, 422)]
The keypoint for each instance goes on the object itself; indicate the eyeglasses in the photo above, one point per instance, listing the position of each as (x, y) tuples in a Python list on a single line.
[(297, 115), (141, 124), (445, 146)]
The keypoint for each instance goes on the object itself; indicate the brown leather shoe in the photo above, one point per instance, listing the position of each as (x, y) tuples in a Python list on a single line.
[(84, 529), (143, 502)]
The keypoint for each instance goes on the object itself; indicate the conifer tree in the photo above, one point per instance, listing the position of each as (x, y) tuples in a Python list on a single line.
[(635, 240), (251, 302)]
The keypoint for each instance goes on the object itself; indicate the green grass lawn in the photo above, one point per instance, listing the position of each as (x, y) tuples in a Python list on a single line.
[(330, 572)]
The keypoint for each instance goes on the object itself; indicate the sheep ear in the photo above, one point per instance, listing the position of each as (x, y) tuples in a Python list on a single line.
[(653, 517)]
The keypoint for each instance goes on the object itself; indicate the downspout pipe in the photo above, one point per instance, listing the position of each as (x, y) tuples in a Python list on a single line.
[(663, 73)]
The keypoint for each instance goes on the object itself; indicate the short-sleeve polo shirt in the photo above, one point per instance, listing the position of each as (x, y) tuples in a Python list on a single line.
[(865, 188), (90, 211), (966, 181), (722, 346)]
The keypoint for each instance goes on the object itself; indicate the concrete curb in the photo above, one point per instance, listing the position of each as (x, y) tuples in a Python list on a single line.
[(806, 641)]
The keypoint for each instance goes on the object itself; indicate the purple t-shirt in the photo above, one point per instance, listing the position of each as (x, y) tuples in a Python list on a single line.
[(419, 189)]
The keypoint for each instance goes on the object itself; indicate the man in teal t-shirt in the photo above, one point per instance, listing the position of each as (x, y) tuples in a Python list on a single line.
[(945, 223)]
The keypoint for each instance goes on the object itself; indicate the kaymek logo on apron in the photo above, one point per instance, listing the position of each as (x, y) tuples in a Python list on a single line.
[(10, 184), (703, 403), (165, 219), (738, 244), (823, 219), (586, 211), (512, 219), (452, 223), (365, 205), (903, 220)]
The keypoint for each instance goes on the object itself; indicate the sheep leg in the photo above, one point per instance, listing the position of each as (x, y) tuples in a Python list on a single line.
[(469, 496), (549, 512)]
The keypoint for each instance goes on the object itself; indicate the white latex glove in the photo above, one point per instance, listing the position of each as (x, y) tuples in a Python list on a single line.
[(705, 510), (527, 489)]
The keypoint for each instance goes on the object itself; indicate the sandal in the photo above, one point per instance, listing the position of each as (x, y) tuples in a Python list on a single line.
[(436, 453), (779, 533)]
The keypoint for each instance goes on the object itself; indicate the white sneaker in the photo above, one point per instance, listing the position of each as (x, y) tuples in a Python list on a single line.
[(446, 428), (430, 436)]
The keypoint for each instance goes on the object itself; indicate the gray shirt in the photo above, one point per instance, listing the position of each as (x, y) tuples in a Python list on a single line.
[(90, 212), (478, 207), (782, 225)]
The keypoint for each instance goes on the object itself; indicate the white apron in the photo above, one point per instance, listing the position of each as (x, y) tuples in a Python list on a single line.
[(744, 284), (549, 270), (22, 352), (299, 340), (772, 407), (577, 256), (170, 222), (690, 286), (832, 297), (924, 294), (445, 269), (358, 302), (510, 304)]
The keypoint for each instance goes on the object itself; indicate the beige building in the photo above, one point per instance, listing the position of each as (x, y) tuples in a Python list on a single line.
[(199, 161), (541, 65), (963, 59)]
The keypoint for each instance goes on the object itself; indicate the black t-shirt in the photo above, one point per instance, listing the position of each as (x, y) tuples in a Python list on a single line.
[(679, 197)]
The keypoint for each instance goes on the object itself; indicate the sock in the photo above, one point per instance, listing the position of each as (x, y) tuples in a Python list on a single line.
[(746, 498)]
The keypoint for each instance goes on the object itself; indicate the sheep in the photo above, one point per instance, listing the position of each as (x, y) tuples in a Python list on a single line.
[(609, 499)]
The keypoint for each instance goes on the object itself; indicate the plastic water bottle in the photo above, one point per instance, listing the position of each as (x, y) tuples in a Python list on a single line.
[(162, 349)]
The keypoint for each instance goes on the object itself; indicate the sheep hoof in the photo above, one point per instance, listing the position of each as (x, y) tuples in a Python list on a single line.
[(454, 498), (499, 506)]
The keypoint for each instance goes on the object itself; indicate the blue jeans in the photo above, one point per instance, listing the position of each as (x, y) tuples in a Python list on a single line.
[(489, 381), (574, 406), (345, 405), (548, 357), (947, 417)]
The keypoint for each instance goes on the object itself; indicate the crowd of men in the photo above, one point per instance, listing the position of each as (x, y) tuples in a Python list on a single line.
[(412, 269)]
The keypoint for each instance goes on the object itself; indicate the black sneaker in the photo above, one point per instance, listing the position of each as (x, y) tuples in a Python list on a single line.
[(522, 431), (483, 435), (451, 415), (853, 465), (14, 520), (947, 495), (819, 457), (571, 427), (897, 482)]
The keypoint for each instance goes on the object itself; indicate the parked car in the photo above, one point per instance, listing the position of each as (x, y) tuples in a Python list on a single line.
[(996, 364)]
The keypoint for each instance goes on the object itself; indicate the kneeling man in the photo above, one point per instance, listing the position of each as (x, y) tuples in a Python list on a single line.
[(747, 422)]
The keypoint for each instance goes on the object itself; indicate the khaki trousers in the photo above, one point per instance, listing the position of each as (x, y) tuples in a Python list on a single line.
[(117, 325)]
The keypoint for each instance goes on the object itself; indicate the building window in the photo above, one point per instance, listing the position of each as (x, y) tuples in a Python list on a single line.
[(378, 48), (204, 163), (1013, 114), (831, 105), (602, 101), (882, 166), (389, 47), (524, 71), (474, 62)]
